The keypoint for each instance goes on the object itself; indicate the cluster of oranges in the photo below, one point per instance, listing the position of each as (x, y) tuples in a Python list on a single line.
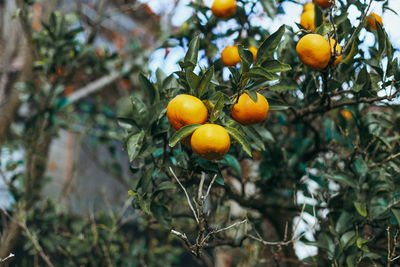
[(224, 9), (211, 141), (313, 49)]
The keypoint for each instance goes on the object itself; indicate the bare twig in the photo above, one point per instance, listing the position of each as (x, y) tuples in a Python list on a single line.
[(7, 258), (293, 239), (187, 196), (93, 87), (229, 227), (209, 187)]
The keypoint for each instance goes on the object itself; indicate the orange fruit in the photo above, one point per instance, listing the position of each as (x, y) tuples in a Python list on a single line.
[(324, 4), (346, 114), (248, 112), (223, 9), (253, 50), (184, 110), (338, 51), (372, 19), (210, 141), (307, 20), (308, 6), (314, 51), (230, 56)]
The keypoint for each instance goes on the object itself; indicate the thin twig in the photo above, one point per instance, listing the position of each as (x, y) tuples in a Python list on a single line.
[(358, 29), (187, 196), (209, 187), (7, 258)]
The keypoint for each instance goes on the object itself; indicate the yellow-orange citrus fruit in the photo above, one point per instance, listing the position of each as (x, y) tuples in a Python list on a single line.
[(324, 4), (308, 6), (372, 19), (346, 114), (253, 50), (230, 56), (223, 9), (210, 141), (338, 51), (314, 51), (184, 110), (248, 112), (307, 20)]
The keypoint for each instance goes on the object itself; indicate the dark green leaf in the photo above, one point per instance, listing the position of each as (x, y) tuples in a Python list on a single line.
[(285, 84), (182, 133), (275, 66), (269, 45), (134, 144), (318, 16), (205, 81), (361, 208), (192, 53), (219, 105), (240, 139), (150, 88), (232, 162)]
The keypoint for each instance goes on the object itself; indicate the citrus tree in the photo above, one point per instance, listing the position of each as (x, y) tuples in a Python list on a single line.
[(307, 111)]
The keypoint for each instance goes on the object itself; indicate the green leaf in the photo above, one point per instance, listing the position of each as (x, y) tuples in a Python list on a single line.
[(219, 105), (205, 81), (151, 90), (144, 203), (162, 215), (361, 241), (169, 82), (348, 239), (285, 84), (240, 139), (340, 178), (232, 162), (246, 58), (145, 179), (361, 166), (193, 80), (134, 144), (361, 208), (362, 80), (259, 72), (269, 45), (275, 66), (353, 52), (396, 213), (381, 40), (318, 16), (343, 222), (255, 136), (166, 185), (323, 29), (182, 133), (140, 111), (127, 124), (192, 53)]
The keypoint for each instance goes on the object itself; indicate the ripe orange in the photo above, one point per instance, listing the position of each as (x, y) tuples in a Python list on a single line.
[(324, 4), (372, 19), (308, 6), (230, 56), (223, 9), (184, 110), (314, 51), (210, 141), (346, 114), (253, 50), (307, 20), (248, 112), (338, 51)]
